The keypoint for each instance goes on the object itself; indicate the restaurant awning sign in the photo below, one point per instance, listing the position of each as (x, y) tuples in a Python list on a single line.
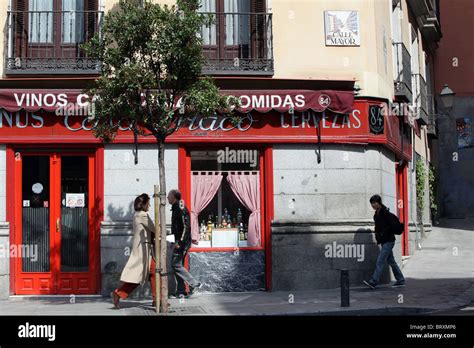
[(341, 28), (261, 101)]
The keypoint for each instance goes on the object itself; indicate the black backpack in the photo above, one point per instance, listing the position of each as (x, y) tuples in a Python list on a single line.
[(396, 226)]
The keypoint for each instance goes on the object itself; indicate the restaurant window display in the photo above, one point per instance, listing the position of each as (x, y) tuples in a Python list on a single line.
[(226, 198)]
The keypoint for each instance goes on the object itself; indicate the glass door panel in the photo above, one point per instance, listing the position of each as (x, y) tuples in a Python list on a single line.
[(35, 214), (74, 214)]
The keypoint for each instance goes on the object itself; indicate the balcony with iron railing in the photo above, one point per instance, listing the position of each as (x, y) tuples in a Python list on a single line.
[(432, 126), (420, 98), (426, 14), (50, 42), (238, 44), (402, 82)]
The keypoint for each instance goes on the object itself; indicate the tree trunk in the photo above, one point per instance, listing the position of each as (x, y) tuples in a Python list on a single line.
[(157, 246), (162, 211)]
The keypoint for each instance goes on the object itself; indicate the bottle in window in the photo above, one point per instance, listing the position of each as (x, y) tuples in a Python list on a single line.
[(241, 234), (209, 224), (245, 231), (224, 222), (216, 222), (203, 230), (229, 220), (239, 216)]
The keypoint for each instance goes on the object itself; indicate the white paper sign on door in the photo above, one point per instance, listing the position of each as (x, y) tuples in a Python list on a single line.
[(75, 200)]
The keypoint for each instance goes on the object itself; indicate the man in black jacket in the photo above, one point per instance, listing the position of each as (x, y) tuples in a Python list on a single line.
[(181, 229), (384, 235)]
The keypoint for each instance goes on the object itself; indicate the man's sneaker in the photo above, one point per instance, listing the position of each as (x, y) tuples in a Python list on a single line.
[(398, 284), (192, 289), (369, 284), (177, 295)]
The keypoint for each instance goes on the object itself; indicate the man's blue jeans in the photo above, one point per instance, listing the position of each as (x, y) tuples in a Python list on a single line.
[(386, 256)]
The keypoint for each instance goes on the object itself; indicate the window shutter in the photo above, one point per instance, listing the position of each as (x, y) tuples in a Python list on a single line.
[(20, 30), (19, 16), (92, 18), (259, 28), (259, 6)]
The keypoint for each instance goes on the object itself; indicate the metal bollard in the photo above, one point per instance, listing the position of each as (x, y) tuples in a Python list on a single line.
[(345, 296)]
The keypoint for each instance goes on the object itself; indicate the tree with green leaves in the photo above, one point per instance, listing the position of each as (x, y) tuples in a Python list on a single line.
[(151, 61)]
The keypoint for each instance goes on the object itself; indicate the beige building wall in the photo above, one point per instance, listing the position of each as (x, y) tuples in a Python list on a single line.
[(421, 144), (405, 24), (300, 51)]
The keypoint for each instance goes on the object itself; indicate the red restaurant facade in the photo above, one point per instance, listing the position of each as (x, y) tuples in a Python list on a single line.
[(267, 196)]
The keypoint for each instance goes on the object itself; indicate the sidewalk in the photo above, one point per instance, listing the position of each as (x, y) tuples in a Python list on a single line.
[(437, 280)]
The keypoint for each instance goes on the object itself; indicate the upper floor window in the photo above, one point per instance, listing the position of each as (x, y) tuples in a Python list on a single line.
[(236, 14), (42, 20), (239, 38), (45, 36)]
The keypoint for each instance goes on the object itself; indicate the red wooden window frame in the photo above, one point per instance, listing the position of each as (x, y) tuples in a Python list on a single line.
[(266, 200)]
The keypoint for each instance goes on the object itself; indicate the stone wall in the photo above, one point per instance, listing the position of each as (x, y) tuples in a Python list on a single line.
[(124, 180), (115, 247), (4, 261), (337, 188), (300, 259), (325, 206), (242, 270), (455, 166)]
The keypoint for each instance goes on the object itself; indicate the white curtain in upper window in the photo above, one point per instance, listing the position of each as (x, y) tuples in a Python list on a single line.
[(72, 21), (237, 22), (208, 33), (40, 21)]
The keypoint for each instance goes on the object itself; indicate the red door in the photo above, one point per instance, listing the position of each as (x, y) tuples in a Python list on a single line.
[(54, 223), (402, 203)]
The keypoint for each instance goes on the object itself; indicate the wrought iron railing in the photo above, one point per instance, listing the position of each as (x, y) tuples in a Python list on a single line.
[(432, 116), (50, 42), (423, 93), (402, 70), (420, 93), (420, 97), (238, 43)]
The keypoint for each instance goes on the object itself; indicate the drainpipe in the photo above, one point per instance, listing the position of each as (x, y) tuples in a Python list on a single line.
[(414, 216), (318, 132)]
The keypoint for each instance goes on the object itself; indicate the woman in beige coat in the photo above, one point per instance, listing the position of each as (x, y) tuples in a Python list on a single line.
[(141, 264)]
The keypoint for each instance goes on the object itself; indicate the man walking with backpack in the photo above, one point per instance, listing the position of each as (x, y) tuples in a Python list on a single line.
[(386, 226)]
